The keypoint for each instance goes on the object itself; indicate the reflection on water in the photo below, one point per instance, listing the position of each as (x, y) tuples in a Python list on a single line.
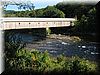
[(56, 47)]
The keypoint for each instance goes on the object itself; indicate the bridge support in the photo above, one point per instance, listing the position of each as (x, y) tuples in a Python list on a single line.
[(48, 31)]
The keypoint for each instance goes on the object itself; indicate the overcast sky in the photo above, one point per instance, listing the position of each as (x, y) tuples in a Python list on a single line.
[(44, 3)]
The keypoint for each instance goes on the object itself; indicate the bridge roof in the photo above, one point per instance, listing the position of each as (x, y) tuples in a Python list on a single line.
[(36, 19)]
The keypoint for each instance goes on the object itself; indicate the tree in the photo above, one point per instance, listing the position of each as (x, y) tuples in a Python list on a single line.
[(81, 25), (92, 20), (31, 13), (71, 10), (83, 9), (67, 8), (87, 24), (39, 13), (52, 12), (21, 5)]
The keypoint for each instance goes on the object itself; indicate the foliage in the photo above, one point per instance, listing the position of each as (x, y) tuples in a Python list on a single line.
[(72, 10), (31, 13), (36, 61), (81, 65), (92, 20), (86, 24), (80, 25), (51, 11), (12, 44), (48, 12), (39, 12), (85, 13)]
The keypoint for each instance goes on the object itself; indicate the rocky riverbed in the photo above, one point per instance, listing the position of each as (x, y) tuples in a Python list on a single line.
[(67, 45), (64, 37)]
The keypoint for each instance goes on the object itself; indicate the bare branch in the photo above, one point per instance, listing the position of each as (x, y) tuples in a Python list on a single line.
[(21, 5)]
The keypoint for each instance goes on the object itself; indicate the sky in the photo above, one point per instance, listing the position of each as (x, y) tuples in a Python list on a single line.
[(37, 3), (44, 3)]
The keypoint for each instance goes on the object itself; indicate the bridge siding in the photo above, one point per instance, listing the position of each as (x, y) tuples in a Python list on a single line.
[(22, 24)]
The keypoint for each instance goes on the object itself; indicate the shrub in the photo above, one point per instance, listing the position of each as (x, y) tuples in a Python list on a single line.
[(36, 61), (81, 65)]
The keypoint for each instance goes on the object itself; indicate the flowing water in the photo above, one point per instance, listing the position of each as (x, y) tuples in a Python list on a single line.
[(84, 49)]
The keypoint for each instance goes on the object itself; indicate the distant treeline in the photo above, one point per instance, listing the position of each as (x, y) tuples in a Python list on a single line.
[(59, 10)]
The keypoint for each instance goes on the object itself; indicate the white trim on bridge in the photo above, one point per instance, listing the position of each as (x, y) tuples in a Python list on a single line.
[(22, 23)]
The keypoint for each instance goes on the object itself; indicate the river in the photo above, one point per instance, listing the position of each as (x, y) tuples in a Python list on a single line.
[(56, 46)]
